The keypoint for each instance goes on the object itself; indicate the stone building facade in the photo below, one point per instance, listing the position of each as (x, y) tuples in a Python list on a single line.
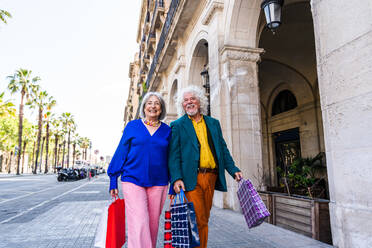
[(307, 87)]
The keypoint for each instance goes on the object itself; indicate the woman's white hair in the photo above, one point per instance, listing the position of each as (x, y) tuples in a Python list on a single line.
[(195, 91), (162, 103)]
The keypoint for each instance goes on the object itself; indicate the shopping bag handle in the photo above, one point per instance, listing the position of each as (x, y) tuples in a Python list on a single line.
[(114, 198), (241, 180), (181, 196)]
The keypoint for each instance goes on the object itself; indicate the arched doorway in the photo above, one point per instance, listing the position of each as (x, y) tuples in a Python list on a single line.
[(290, 107), (288, 73), (199, 62)]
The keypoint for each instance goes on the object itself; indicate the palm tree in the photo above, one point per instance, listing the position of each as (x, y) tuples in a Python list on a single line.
[(33, 139), (48, 115), (75, 138), (69, 126), (57, 132), (21, 82), (41, 153), (63, 147), (85, 144), (28, 135), (39, 100), (3, 15)]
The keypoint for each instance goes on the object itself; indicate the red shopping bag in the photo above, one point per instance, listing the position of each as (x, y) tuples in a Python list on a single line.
[(115, 237), (167, 230)]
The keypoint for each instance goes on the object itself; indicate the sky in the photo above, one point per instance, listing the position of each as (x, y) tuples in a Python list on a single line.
[(81, 49)]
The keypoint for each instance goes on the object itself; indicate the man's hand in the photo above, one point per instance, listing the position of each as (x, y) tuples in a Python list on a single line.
[(114, 192), (178, 185), (238, 176)]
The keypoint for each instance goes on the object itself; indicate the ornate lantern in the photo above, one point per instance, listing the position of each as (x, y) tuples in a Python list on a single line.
[(273, 13)]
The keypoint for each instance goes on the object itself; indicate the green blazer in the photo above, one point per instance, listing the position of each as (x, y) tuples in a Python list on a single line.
[(184, 153)]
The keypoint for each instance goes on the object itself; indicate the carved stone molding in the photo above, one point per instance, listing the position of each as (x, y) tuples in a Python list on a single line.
[(180, 63), (212, 8), (241, 53)]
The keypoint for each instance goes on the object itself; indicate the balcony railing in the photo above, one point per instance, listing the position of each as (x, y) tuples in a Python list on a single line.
[(161, 43)]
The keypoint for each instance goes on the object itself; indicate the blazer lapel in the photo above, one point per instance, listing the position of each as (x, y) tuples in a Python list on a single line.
[(213, 132), (189, 128)]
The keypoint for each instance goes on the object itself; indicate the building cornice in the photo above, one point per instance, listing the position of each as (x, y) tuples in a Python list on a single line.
[(229, 52), (212, 8)]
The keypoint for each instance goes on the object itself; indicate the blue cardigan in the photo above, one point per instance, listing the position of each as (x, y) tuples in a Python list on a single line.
[(140, 158)]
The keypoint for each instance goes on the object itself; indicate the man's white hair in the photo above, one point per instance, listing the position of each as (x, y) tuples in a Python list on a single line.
[(197, 92)]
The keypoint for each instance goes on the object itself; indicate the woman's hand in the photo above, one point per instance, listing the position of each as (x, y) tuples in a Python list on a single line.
[(178, 185), (114, 192), (238, 176)]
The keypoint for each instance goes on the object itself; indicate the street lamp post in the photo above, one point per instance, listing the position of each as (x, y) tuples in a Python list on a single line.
[(206, 85), (273, 13)]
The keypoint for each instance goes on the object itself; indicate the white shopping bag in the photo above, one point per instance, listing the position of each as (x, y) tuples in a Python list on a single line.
[(100, 239)]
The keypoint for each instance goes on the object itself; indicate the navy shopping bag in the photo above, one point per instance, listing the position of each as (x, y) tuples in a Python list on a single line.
[(184, 228)]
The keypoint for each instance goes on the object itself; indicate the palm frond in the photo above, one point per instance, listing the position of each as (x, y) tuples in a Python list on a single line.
[(3, 15)]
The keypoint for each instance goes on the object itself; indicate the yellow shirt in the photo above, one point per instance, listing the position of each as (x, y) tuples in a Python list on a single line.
[(206, 156)]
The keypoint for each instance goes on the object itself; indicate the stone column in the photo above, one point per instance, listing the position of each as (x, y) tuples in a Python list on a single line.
[(343, 32), (240, 114)]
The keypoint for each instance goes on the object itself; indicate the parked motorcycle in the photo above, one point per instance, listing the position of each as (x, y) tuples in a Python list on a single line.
[(67, 174)]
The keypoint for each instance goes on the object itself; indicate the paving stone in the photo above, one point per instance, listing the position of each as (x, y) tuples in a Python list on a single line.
[(71, 220)]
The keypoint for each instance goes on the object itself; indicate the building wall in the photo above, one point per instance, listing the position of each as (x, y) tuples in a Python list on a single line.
[(343, 31), (332, 88)]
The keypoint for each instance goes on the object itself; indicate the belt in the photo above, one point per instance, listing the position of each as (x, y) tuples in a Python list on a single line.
[(207, 170)]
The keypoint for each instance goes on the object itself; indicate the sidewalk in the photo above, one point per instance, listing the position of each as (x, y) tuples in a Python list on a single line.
[(228, 229), (5, 174), (72, 220)]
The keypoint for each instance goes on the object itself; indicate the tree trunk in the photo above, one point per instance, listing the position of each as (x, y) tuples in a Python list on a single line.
[(6, 163), (41, 154), (55, 152), (73, 154), (10, 162), (47, 148), (33, 155), (20, 131), (59, 152), (1, 162), (38, 138), (68, 149), (23, 154), (63, 153)]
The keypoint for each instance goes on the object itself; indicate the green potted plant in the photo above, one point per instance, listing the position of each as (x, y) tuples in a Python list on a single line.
[(302, 210), (306, 176)]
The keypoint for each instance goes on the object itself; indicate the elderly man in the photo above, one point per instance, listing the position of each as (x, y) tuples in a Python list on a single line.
[(198, 156)]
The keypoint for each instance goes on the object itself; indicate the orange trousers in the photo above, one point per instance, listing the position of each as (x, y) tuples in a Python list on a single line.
[(202, 197)]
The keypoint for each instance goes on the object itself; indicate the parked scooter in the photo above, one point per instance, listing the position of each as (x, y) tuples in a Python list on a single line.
[(67, 174)]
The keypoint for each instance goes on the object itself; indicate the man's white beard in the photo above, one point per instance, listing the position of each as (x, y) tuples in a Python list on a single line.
[(191, 113)]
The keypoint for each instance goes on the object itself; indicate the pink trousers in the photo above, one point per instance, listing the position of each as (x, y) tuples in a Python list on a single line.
[(143, 206)]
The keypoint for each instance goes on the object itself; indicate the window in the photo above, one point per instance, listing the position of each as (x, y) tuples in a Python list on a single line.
[(283, 102)]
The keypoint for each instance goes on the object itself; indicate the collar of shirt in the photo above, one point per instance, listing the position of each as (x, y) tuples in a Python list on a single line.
[(199, 121)]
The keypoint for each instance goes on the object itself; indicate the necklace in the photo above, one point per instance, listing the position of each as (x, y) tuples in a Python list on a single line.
[(151, 123)]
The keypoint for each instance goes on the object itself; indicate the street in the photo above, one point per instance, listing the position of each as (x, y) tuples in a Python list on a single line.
[(36, 211)]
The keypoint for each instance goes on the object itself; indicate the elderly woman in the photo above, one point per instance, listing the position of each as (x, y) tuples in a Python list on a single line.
[(141, 160)]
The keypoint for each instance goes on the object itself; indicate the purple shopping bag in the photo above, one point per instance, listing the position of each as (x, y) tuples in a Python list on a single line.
[(253, 207)]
